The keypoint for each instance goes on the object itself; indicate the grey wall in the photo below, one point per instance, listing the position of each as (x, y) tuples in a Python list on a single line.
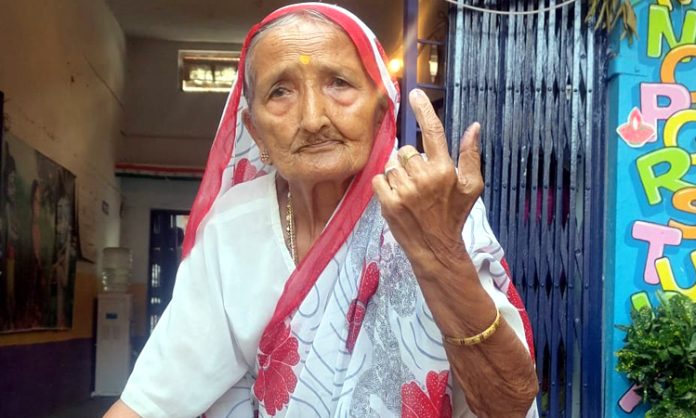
[(159, 116)]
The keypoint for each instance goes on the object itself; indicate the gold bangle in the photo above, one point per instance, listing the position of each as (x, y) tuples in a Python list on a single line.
[(479, 338)]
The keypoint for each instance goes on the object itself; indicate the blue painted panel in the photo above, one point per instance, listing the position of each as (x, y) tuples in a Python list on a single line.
[(637, 214)]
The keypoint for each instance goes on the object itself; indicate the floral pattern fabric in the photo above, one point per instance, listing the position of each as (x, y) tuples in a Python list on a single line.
[(276, 380), (357, 309), (432, 403)]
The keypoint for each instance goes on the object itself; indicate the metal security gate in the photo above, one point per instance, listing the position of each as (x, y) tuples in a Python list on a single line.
[(536, 83), (166, 240)]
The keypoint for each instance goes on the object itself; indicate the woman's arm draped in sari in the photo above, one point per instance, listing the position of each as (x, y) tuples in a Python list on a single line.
[(191, 358)]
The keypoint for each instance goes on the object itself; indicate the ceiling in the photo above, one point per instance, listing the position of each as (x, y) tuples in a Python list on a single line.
[(228, 21)]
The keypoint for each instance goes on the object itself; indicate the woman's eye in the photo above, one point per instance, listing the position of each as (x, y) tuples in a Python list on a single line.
[(340, 83), (279, 92)]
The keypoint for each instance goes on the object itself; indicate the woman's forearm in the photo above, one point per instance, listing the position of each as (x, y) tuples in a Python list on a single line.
[(496, 375)]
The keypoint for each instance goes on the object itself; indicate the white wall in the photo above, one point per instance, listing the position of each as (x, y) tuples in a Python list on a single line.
[(159, 116), (62, 71), (140, 196)]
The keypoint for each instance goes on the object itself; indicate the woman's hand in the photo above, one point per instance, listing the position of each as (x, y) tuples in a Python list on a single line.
[(425, 200)]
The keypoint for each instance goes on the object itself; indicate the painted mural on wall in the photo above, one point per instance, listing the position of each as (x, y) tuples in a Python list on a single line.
[(37, 240), (655, 172)]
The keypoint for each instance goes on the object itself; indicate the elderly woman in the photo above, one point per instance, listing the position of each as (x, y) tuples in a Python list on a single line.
[(315, 282)]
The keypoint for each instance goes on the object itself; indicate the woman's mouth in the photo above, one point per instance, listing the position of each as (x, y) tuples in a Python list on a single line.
[(320, 146)]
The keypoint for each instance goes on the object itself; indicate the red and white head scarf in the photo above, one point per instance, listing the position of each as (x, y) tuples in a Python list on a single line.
[(351, 334), (234, 157)]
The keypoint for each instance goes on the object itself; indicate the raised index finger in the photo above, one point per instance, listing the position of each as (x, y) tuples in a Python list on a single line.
[(434, 140)]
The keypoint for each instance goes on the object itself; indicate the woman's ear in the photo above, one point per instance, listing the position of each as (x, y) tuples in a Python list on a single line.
[(383, 104), (248, 122), (382, 108)]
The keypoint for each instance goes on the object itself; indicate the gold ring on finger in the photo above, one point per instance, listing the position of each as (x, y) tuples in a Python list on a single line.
[(404, 160)]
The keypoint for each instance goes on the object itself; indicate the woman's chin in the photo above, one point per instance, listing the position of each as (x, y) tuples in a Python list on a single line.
[(323, 164), (324, 173)]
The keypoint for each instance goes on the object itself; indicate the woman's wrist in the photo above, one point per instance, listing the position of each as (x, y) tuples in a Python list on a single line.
[(447, 260), (451, 287)]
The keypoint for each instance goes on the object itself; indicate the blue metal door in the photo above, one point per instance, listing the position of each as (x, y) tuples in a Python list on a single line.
[(536, 83)]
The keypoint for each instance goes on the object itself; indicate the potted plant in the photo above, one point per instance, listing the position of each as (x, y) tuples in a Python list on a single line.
[(660, 356)]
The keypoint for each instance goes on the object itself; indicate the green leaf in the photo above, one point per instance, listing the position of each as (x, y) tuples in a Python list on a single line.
[(676, 350)]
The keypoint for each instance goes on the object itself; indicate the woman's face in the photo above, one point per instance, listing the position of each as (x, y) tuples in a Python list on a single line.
[(314, 108)]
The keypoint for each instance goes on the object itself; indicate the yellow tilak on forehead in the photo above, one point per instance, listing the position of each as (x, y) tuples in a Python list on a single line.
[(305, 59)]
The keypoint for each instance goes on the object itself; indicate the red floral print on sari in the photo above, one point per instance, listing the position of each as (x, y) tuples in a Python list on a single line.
[(357, 309), (276, 379), (245, 171), (415, 403), (516, 301)]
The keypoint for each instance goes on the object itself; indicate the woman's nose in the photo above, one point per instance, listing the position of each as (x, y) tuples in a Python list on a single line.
[(313, 110)]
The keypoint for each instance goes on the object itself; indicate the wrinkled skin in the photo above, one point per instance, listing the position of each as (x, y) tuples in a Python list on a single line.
[(314, 108)]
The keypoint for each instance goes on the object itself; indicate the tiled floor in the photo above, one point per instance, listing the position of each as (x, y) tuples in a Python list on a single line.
[(93, 408)]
